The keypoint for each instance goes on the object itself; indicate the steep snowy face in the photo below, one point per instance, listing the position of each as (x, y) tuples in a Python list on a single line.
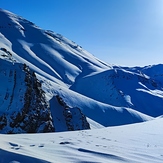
[(155, 72), (120, 87), (49, 54)]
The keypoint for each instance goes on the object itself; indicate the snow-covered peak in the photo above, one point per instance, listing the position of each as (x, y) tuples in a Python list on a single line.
[(46, 52)]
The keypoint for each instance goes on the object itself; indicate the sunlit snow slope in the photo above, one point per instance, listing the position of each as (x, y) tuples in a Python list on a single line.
[(49, 54)]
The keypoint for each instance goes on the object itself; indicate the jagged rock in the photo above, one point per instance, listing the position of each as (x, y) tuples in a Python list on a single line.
[(24, 108), (66, 117)]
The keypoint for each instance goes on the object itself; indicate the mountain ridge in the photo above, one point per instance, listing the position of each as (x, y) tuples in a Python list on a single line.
[(107, 95)]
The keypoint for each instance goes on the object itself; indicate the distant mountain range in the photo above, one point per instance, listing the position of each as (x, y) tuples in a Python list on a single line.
[(49, 83)]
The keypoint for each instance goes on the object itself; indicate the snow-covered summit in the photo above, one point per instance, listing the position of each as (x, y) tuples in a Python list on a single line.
[(47, 53)]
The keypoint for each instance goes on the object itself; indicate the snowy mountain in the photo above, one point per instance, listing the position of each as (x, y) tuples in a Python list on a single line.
[(119, 87), (51, 84), (58, 67)]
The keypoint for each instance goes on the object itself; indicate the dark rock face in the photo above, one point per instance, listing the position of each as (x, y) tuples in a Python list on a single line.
[(32, 112), (24, 108), (66, 118), (75, 119), (35, 115)]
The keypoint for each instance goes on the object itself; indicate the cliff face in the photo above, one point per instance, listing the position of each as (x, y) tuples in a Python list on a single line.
[(23, 106), (66, 118)]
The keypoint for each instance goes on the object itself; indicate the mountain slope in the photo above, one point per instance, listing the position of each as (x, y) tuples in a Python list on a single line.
[(106, 95), (44, 51), (119, 87), (49, 83), (24, 108)]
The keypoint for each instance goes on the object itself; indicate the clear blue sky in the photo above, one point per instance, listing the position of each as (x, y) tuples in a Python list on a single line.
[(122, 32)]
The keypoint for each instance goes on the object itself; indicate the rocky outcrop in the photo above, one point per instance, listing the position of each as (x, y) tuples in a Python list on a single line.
[(24, 107), (35, 115), (66, 118)]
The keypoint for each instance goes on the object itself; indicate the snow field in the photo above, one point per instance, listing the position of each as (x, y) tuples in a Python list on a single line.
[(129, 143)]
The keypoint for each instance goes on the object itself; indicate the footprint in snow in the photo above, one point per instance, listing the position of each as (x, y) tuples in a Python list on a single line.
[(14, 146), (41, 145), (106, 139), (66, 142)]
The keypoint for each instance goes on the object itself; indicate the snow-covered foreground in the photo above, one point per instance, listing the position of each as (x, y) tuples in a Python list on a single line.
[(135, 143)]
